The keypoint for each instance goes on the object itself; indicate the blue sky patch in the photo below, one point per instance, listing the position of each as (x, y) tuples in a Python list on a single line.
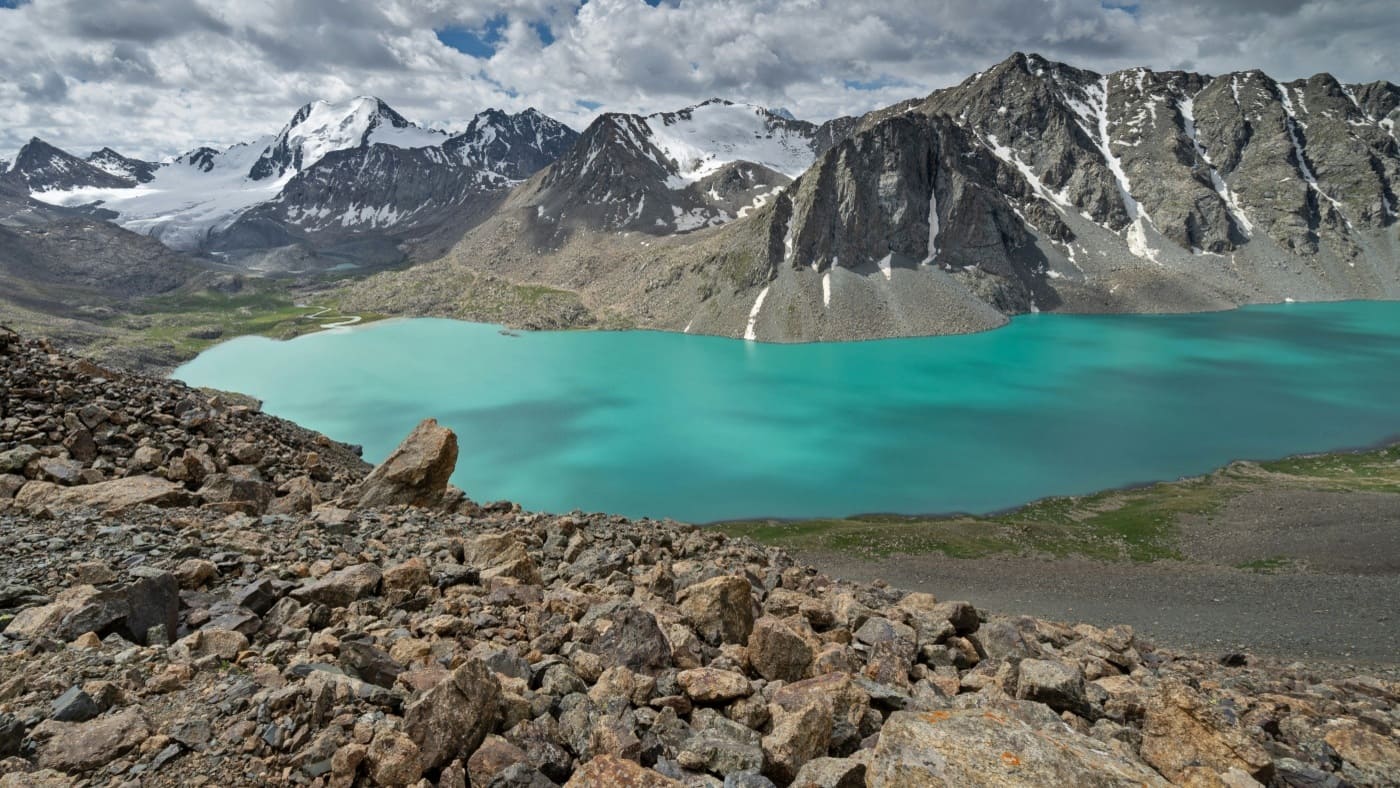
[(477, 43), (542, 30), (588, 105)]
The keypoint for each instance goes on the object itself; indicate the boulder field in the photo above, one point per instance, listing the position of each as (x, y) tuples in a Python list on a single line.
[(198, 594)]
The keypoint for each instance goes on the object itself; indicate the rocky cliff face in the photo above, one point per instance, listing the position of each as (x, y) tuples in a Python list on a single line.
[(1053, 188), (168, 627)]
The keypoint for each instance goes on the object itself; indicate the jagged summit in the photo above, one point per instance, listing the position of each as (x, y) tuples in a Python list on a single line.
[(41, 167), (321, 127), (514, 146)]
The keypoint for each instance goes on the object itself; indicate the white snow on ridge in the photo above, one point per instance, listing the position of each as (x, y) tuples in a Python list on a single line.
[(183, 204), (717, 134), (331, 127), (1009, 156)]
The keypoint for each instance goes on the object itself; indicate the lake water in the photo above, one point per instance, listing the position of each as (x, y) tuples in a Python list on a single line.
[(704, 428)]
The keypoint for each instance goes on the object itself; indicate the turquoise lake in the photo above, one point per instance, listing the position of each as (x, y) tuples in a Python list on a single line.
[(704, 428)]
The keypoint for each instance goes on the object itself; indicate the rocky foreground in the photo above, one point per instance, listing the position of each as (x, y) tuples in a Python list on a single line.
[(195, 593)]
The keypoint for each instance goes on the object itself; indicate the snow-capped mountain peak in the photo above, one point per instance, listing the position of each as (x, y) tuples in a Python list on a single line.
[(322, 127), (334, 168)]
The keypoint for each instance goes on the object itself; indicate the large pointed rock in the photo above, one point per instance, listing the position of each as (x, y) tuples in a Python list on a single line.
[(416, 473)]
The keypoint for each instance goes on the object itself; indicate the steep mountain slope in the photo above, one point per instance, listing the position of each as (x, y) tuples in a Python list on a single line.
[(674, 172), (40, 167), (351, 182), (1032, 185)]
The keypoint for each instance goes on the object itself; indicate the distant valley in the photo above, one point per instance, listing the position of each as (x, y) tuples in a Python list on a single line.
[(1031, 186)]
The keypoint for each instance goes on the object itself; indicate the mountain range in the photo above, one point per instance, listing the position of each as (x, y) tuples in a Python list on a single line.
[(1030, 186), (350, 183)]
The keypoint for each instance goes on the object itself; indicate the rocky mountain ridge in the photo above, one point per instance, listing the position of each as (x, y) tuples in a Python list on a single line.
[(352, 183), (675, 172), (163, 626), (1030, 186)]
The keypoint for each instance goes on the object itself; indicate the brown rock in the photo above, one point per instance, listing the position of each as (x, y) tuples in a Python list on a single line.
[(297, 495), (711, 685), (225, 644), (75, 611), (455, 716), (416, 473), (85, 746), (1180, 730), (797, 737), (394, 759), (849, 704), (606, 771), (110, 497), (339, 589), (1374, 757), (830, 773), (194, 573), (494, 756), (720, 609), (345, 764), (1056, 684), (778, 651), (984, 747), (410, 575)]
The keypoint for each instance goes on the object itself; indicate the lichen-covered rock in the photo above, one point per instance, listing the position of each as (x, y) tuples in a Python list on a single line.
[(778, 651), (797, 737), (340, 588), (982, 747), (1181, 730), (606, 771)]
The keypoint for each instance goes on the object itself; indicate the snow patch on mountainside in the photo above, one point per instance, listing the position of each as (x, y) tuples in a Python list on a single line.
[(183, 203), (715, 134)]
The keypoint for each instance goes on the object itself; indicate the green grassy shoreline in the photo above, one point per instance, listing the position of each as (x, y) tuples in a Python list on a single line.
[(1130, 524)]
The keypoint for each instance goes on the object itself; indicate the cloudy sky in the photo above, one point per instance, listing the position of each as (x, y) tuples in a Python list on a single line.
[(157, 77)]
